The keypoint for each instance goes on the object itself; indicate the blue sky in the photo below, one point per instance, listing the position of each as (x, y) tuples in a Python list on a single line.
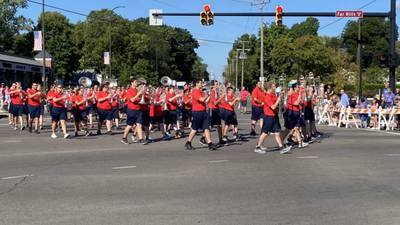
[(225, 28)]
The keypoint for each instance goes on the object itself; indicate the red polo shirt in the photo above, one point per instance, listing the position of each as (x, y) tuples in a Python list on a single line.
[(197, 106), (259, 94), (34, 101), (105, 105), (269, 100), (172, 105), (61, 103), (132, 92)]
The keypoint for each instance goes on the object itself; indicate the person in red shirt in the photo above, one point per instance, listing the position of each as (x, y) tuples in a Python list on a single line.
[(200, 117), (170, 114), (79, 111), (59, 112), (309, 116), (42, 106), (214, 105), (257, 103), (271, 123), (145, 110), (230, 115), (244, 94), (34, 104), (133, 113), (104, 108), (186, 108), (292, 121), (17, 96), (91, 105), (156, 110), (115, 107)]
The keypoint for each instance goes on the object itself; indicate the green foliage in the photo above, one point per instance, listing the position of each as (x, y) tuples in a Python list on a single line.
[(374, 39), (58, 31), (306, 28), (11, 23)]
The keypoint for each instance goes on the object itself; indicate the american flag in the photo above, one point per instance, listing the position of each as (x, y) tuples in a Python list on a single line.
[(107, 58), (37, 46)]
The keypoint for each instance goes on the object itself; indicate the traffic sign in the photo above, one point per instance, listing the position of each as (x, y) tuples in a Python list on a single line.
[(155, 20), (359, 14)]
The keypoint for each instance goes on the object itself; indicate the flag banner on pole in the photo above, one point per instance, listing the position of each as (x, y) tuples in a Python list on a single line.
[(37, 46), (107, 58)]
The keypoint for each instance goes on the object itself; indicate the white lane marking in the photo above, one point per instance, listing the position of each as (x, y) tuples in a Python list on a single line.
[(307, 157), (11, 141), (16, 177), (218, 161), (395, 154), (383, 132), (123, 167)]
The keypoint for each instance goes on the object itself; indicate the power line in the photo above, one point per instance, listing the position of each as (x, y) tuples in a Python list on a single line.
[(58, 8), (337, 20), (215, 41)]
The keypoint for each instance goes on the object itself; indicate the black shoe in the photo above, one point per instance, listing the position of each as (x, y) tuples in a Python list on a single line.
[(222, 142), (109, 132), (98, 132), (124, 141), (189, 146), (76, 134), (144, 142), (203, 141), (37, 132), (30, 129), (253, 133), (212, 147)]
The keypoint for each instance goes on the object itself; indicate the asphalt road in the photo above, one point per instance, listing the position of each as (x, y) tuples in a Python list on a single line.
[(352, 177)]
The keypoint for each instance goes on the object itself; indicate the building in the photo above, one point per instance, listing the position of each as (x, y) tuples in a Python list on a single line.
[(26, 70)]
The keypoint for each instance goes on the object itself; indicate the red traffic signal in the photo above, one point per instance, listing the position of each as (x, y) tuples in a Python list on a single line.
[(278, 15), (279, 9), (207, 8)]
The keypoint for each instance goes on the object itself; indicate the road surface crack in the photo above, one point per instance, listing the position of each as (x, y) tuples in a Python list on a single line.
[(22, 180)]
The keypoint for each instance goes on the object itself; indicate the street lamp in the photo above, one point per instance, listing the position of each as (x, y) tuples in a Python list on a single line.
[(109, 36)]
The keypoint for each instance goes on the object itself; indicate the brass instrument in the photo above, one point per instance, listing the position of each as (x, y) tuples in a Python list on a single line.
[(85, 82), (166, 81)]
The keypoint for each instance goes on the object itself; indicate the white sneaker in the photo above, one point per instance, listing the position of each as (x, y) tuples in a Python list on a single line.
[(133, 138), (262, 148), (286, 149), (259, 151), (66, 136), (303, 144), (54, 136)]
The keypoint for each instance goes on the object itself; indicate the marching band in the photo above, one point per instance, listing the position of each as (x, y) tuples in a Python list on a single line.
[(169, 109)]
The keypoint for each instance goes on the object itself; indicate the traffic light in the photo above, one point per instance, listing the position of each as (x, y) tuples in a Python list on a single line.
[(203, 18), (207, 16), (278, 15)]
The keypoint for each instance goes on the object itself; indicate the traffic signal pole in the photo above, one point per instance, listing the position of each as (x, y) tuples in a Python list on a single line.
[(392, 46), (391, 15)]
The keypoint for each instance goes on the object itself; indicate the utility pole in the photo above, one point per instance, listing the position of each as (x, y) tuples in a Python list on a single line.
[(236, 69), (261, 4), (392, 44), (109, 36), (44, 80), (359, 60), (243, 57)]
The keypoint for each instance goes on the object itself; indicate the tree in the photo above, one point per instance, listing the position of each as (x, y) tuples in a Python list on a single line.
[(11, 23), (312, 56), (308, 27), (374, 39), (199, 69), (58, 33)]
